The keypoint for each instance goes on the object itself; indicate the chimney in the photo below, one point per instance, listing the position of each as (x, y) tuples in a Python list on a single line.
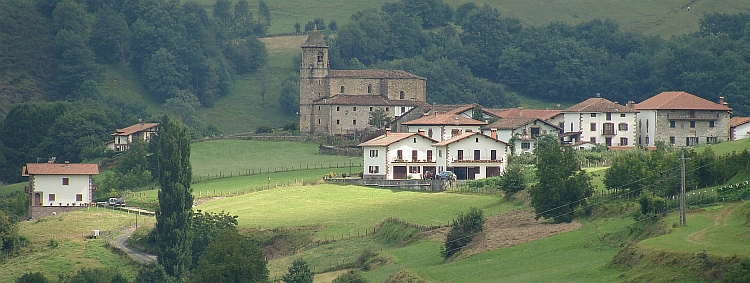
[(598, 95), (520, 111), (387, 131), (721, 101), (630, 105), (493, 134)]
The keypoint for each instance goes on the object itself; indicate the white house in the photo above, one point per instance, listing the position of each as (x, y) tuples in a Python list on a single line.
[(398, 156), (601, 121), (522, 133), (472, 156), (682, 119), (443, 126), (65, 184), (122, 138), (553, 117), (739, 128)]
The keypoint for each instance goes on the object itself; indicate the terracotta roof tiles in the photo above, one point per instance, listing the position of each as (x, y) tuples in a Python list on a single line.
[(679, 100), (134, 129), (737, 121), (598, 105), (525, 113), (444, 119), (466, 135), (60, 169), (391, 138)]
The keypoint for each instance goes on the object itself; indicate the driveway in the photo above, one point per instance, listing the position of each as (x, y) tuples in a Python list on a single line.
[(120, 242)]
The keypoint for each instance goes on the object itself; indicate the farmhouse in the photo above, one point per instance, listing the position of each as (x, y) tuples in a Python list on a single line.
[(682, 119), (472, 156), (601, 121), (398, 156), (521, 133), (339, 102), (443, 126), (122, 138), (739, 128), (59, 185)]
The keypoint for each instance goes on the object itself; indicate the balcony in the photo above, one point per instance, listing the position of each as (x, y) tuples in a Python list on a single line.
[(609, 132), (413, 161)]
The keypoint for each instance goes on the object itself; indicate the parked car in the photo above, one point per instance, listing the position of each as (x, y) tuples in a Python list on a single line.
[(446, 175), (116, 202)]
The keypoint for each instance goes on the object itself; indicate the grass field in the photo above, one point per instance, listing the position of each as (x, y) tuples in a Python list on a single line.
[(213, 157), (70, 251), (728, 147), (340, 210)]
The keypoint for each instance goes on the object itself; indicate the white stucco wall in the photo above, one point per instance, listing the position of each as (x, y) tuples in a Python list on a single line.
[(379, 160), (477, 142), (646, 127), (740, 132), (416, 142), (64, 194)]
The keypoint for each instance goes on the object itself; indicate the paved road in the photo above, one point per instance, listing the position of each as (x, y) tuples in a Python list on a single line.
[(120, 242)]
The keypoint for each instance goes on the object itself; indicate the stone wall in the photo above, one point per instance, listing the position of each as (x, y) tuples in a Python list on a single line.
[(44, 211), (413, 185), (682, 129)]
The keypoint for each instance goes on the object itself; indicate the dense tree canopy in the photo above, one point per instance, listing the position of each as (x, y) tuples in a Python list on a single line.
[(231, 257)]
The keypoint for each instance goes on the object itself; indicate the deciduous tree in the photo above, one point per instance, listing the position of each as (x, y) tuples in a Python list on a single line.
[(298, 273), (231, 257)]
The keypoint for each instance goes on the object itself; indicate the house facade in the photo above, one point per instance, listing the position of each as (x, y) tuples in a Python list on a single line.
[(739, 128), (600, 121), (472, 156), (122, 138), (59, 185), (340, 101), (682, 119), (521, 133), (443, 126), (398, 156)]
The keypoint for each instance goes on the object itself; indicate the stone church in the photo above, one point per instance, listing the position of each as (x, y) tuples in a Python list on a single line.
[(339, 102)]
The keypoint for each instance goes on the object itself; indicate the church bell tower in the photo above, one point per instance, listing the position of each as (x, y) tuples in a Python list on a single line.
[(313, 80)]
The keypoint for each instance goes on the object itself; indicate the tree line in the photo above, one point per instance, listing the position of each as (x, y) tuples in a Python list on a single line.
[(557, 62)]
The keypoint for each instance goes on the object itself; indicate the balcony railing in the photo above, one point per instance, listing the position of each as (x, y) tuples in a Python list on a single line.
[(609, 132)]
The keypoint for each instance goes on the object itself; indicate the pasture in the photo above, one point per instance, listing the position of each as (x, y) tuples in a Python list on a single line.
[(343, 210)]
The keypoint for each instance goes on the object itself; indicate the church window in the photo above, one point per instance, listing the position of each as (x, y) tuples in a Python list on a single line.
[(401, 95), (318, 121), (370, 108), (338, 121), (369, 88), (337, 108), (342, 89), (318, 108), (320, 56), (354, 122), (386, 109), (354, 108)]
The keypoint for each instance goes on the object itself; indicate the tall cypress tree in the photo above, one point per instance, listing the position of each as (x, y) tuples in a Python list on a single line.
[(175, 211)]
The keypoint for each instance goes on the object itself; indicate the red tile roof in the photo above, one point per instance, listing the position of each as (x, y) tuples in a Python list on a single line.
[(526, 113), (365, 99), (509, 123), (373, 74), (60, 169), (391, 138), (737, 121), (598, 105), (466, 135), (679, 100), (444, 119), (134, 129)]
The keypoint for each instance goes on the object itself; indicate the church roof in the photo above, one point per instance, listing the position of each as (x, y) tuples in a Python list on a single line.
[(365, 99), (678, 100), (373, 74), (315, 39), (523, 113)]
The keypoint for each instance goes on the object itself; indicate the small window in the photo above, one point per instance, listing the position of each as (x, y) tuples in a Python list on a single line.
[(399, 154), (414, 156), (338, 122), (415, 140), (320, 56), (712, 124), (386, 109), (403, 109), (622, 126), (354, 108), (374, 169), (370, 108), (623, 141), (477, 154), (692, 124), (342, 89), (66, 181), (79, 197), (318, 108), (592, 139), (476, 139), (373, 153), (429, 155), (354, 122), (338, 108), (460, 154), (593, 115), (401, 95), (593, 127), (414, 169), (672, 124), (493, 154), (647, 140), (671, 140), (440, 153), (369, 88), (429, 132), (609, 116), (622, 115), (318, 121), (525, 145), (51, 197)]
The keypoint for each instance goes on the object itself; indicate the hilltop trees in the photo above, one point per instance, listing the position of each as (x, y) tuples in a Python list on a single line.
[(231, 258), (562, 186), (175, 211), (298, 273)]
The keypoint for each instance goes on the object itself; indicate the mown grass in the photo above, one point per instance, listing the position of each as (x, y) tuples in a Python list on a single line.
[(58, 244), (10, 188), (341, 210), (728, 147), (239, 156), (597, 177)]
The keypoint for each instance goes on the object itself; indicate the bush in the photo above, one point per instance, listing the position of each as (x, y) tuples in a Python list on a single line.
[(263, 130), (36, 277), (351, 277), (298, 273), (463, 229)]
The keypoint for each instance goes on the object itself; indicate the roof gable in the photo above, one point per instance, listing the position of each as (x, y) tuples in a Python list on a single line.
[(60, 169), (140, 127), (391, 138), (444, 119), (738, 121), (679, 100), (598, 105), (523, 113), (515, 123), (466, 135)]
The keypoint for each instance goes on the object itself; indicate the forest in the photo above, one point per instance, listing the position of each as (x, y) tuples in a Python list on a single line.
[(186, 55)]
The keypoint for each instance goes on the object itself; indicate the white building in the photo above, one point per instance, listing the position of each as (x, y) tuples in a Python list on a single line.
[(122, 138), (398, 156), (443, 126), (60, 184), (522, 133), (472, 156), (600, 121), (739, 128)]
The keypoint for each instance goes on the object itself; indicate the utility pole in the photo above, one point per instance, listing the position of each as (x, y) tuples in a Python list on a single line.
[(683, 221)]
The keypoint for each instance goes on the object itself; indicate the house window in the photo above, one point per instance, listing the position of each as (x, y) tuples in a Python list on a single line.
[(354, 122), (401, 95), (646, 127), (593, 127), (711, 140), (369, 88), (476, 139), (460, 154), (535, 132), (414, 156), (429, 155), (622, 115), (671, 140), (51, 197), (526, 145), (493, 154), (354, 108), (477, 154), (592, 139), (337, 108), (647, 141), (623, 126), (374, 169), (571, 127), (623, 141), (672, 124), (79, 197), (692, 124), (608, 141), (373, 153), (712, 124), (399, 154), (608, 129), (414, 169), (342, 89), (609, 116), (455, 132), (429, 133), (370, 108), (414, 140), (66, 181), (338, 121), (403, 109), (593, 115), (440, 153)]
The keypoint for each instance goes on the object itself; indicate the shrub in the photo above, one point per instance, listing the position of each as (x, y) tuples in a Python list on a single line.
[(263, 130), (36, 277), (463, 229), (351, 277), (298, 273)]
